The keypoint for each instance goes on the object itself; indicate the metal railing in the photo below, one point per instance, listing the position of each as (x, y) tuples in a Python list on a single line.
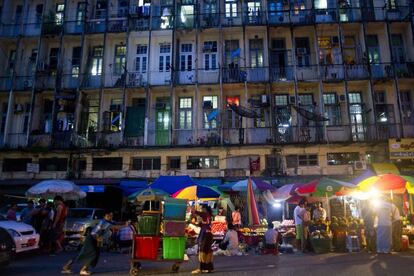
[(381, 70)]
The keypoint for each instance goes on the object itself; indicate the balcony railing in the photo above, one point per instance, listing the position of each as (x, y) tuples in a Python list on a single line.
[(5, 83), (356, 71), (208, 76), (40, 140), (404, 70), (284, 73), (32, 29), (234, 75), (257, 74), (307, 73), (74, 27), (137, 79), (254, 18), (117, 25), (96, 26), (209, 20), (51, 28), (24, 82), (71, 81), (332, 72), (10, 30), (16, 140), (326, 15), (350, 14), (139, 24), (400, 13), (185, 77), (91, 80), (381, 70), (45, 81), (115, 79), (162, 22)]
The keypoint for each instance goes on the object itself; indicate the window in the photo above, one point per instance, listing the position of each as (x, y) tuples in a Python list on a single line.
[(302, 51), (165, 58), (18, 14), (97, 59), (80, 13), (373, 49), (210, 112), (332, 109), (141, 58), (398, 53), (207, 162), (80, 165), (381, 111), (53, 58), (39, 13), (15, 164), (112, 120), (232, 53), (4, 108), (210, 55), (342, 158), (185, 113), (282, 113), (253, 10), (329, 52), (60, 14), (256, 52), (356, 113), (146, 163), (186, 57), (12, 59), (349, 49), (406, 107), (107, 164), (76, 60), (53, 164), (233, 119), (120, 59), (303, 160), (174, 163), (231, 8), (187, 14)]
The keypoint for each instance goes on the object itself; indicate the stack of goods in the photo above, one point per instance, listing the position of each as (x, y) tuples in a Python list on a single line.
[(174, 229), (218, 228), (288, 231), (252, 237), (321, 242), (344, 227), (147, 241)]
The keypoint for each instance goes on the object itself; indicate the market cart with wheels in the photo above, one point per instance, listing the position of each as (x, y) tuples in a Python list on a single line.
[(160, 232)]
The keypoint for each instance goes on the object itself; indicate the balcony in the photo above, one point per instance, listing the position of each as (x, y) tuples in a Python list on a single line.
[(117, 25), (114, 80), (16, 140), (185, 77), (209, 20), (137, 79), (41, 140), (24, 82), (381, 70), (32, 29), (404, 70), (307, 73), (257, 74), (96, 26), (45, 81), (70, 81), (186, 21), (234, 75), (91, 80), (162, 22), (139, 24), (228, 21), (160, 78), (301, 17), (5, 83), (10, 30), (109, 139), (254, 18), (325, 15), (208, 76), (183, 136), (332, 72), (356, 71), (282, 73), (373, 14), (349, 14), (51, 28), (400, 13), (278, 17), (74, 27)]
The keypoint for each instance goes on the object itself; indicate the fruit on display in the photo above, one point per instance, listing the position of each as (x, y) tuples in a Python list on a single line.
[(218, 228)]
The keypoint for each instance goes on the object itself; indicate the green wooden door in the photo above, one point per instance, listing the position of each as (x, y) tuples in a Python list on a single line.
[(162, 127), (135, 121)]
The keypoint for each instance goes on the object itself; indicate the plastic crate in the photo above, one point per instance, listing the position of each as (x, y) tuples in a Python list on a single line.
[(321, 245), (173, 228), (148, 225), (146, 247), (174, 248), (175, 209)]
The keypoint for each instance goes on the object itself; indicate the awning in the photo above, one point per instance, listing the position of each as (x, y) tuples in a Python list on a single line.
[(383, 168), (93, 188), (132, 186)]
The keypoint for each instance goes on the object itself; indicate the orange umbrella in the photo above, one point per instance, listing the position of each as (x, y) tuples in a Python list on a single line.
[(384, 183)]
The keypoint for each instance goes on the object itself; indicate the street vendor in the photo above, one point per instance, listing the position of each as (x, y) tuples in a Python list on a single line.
[(396, 228), (319, 213), (205, 241), (236, 217), (271, 237), (298, 222)]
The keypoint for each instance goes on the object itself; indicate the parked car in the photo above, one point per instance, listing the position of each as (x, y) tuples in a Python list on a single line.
[(20, 207), (80, 221), (7, 247), (24, 235)]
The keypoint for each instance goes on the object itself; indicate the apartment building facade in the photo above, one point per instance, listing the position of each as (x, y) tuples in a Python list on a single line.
[(211, 88)]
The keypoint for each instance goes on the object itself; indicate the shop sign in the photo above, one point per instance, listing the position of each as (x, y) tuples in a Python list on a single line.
[(32, 168), (401, 148)]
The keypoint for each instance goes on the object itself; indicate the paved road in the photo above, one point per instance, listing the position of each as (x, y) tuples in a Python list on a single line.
[(295, 264)]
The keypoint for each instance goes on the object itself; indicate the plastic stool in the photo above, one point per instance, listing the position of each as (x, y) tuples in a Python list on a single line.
[(352, 244)]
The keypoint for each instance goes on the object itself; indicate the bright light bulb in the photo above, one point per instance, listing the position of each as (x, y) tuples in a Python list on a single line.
[(277, 205)]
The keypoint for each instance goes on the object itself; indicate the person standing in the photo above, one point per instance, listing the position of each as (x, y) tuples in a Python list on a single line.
[(306, 218), (27, 213), (384, 228), (59, 223), (236, 217), (319, 213), (39, 215), (89, 254), (46, 233), (369, 219), (205, 241), (298, 222), (11, 213), (396, 228)]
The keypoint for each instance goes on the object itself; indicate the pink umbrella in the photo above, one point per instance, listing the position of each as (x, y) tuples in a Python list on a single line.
[(286, 191)]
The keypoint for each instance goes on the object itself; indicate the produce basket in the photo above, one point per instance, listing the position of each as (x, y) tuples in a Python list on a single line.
[(175, 209), (148, 225), (174, 248), (173, 228), (321, 244)]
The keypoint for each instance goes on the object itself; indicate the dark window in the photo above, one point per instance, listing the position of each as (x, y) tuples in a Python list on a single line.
[(80, 165), (207, 162), (174, 163), (303, 160), (107, 164), (15, 164), (146, 163), (53, 164), (342, 158)]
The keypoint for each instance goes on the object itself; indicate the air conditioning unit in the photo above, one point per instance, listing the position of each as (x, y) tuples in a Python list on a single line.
[(196, 174), (208, 105), (264, 99), (18, 108), (247, 173), (148, 174), (222, 173), (115, 108), (291, 171), (360, 165), (160, 106)]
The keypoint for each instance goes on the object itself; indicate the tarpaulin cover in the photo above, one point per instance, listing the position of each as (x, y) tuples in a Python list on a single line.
[(132, 186), (208, 181), (172, 184)]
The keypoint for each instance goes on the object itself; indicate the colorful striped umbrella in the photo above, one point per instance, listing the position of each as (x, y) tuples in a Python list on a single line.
[(242, 185), (388, 183), (251, 204), (324, 187), (195, 192)]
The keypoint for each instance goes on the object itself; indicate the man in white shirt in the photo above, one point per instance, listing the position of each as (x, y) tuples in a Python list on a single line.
[(271, 237), (298, 222), (396, 228)]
